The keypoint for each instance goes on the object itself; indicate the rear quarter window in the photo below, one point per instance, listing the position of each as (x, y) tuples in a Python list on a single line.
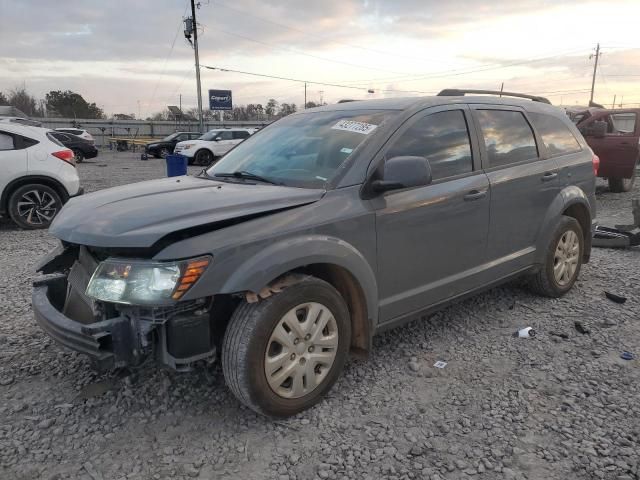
[(556, 136), (6, 141), (508, 137)]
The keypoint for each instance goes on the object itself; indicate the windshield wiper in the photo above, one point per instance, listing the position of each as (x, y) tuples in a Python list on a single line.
[(246, 175)]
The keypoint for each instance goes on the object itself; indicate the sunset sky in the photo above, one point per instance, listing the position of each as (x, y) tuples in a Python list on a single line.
[(131, 56)]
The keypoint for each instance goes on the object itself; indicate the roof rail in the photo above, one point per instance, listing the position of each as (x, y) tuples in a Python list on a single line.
[(454, 92)]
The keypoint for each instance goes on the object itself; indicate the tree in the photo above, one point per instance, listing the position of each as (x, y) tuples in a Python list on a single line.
[(3, 99), (124, 116), (23, 101), (271, 108), (287, 109), (70, 104), (311, 105)]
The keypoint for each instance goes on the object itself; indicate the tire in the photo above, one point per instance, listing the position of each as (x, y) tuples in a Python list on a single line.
[(79, 155), (203, 157), (545, 282), (620, 185), (249, 341), (164, 152), (156, 155), (34, 206)]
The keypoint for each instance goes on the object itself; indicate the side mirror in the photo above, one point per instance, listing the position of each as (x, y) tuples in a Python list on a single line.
[(217, 139), (403, 172), (597, 129)]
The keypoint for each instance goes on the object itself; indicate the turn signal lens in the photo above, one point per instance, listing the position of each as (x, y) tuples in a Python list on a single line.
[(190, 275)]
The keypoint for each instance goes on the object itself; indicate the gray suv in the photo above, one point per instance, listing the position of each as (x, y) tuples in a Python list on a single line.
[(317, 232)]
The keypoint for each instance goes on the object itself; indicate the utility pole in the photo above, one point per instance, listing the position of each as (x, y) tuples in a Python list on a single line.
[(613, 105), (305, 96), (195, 49), (595, 69), (501, 89)]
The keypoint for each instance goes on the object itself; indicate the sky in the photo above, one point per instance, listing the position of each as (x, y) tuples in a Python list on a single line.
[(130, 56)]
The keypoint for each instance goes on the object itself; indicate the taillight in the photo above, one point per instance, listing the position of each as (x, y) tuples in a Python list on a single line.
[(66, 155), (596, 164)]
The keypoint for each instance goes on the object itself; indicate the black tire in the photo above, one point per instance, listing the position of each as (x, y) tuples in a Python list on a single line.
[(156, 155), (203, 157), (164, 152), (41, 213), (544, 281), (620, 185), (247, 337), (78, 154)]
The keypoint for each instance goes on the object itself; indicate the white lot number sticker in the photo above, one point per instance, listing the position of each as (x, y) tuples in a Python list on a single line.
[(353, 126)]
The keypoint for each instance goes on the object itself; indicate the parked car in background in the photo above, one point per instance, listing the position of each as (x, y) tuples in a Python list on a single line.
[(315, 233), (614, 135), (81, 148), (78, 132), (37, 177), (21, 121), (212, 145), (164, 147)]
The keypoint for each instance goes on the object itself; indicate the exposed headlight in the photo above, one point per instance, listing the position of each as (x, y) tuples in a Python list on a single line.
[(144, 283)]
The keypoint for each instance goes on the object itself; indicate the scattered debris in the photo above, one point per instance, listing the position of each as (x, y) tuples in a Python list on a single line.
[(440, 364), (560, 334), (607, 237), (526, 332), (627, 356), (615, 298), (581, 328)]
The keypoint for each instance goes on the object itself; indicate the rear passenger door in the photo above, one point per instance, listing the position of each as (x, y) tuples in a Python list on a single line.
[(13, 159), (432, 239), (523, 185)]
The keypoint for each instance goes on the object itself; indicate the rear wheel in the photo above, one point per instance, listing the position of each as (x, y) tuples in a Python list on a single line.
[(78, 154), (203, 157), (34, 206), (282, 355), (619, 185), (563, 260), (164, 152)]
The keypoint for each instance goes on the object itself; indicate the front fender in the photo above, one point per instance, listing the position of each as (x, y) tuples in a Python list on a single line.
[(279, 258)]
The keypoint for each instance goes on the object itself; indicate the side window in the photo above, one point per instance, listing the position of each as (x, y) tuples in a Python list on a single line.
[(508, 137), (240, 135), (556, 136), (193, 136), (6, 141), (180, 138), (225, 135), (622, 123), (443, 139)]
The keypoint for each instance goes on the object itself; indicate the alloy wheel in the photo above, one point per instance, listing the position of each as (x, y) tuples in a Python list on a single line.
[(164, 152), (37, 207), (301, 350), (565, 260)]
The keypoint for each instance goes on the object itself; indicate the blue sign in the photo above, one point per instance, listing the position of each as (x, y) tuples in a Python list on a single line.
[(220, 100)]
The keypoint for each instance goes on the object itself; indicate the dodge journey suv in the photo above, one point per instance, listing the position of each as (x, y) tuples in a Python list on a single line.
[(318, 231)]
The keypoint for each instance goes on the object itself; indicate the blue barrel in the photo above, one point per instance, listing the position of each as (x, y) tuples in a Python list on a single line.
[(176, 165)]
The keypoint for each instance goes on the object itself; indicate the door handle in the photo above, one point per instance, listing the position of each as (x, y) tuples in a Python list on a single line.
[(475, 195), (549, 176)]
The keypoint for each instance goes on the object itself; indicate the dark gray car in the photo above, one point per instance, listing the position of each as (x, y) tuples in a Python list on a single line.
[(317, 232)]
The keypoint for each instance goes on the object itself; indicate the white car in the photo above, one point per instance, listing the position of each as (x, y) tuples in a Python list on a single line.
[(212, 145), (78, 132), (37, 177)]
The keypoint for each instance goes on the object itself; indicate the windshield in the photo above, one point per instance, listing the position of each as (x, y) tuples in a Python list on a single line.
[(170, 137), (304, 150)]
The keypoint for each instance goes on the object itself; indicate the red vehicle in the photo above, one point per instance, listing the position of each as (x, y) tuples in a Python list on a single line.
[(613, 135)]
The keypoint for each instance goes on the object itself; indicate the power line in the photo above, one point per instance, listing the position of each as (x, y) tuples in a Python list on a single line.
[(308, 81)]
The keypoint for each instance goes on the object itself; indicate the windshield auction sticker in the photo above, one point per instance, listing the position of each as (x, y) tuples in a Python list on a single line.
[(356, 127)]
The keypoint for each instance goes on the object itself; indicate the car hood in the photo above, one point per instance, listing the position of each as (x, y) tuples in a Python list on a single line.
[(138, 215)]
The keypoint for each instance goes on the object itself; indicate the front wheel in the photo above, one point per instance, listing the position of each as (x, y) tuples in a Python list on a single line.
[(203, 158), (563, 260), (619, 185), (282, 354)]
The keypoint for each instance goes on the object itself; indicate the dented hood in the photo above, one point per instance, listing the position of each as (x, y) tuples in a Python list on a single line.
[(140, 214)]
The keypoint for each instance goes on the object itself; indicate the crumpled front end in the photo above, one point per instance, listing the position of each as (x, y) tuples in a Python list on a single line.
[(116, 335)]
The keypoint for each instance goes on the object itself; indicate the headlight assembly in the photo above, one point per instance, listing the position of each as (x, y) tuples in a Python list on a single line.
[(142, 282)]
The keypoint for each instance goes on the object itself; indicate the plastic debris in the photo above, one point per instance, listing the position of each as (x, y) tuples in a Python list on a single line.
[(607, 237), (527, 332), (581, 328), (627, 356), (440, 364), (615, 298)]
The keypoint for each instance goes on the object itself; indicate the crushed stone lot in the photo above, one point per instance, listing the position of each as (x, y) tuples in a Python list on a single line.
[(560, 405)]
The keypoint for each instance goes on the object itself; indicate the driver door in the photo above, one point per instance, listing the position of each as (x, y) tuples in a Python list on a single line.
[(432, 239)]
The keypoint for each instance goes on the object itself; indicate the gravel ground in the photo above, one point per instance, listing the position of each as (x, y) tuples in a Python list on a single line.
[(503, 408)]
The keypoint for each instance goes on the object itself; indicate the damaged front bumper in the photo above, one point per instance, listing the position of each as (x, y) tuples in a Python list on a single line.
[(177, 336)]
